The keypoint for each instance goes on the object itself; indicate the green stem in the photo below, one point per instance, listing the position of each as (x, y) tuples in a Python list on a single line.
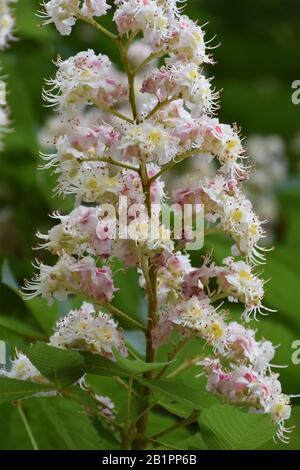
[(98, 26), (127, 427), (130, 77), (26, 425), (146, 410), (138, 436), (185, 365), (111, 161), (142, 423), (145, 62), (185, 422), (152, 56), (111, 110), (218, 296), (172, 356), (150, 274), (115, 311), (160, 105), (117, 114), (177, 159)]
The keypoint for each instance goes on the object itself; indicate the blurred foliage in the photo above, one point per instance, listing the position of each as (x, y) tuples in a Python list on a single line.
[(256, 64)]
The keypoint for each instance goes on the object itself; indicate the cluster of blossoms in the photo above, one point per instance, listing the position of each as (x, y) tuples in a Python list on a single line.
[(7, 23), (83, 329), (64, 13), (84, 78), (248, 385), (117, 137), (71, 275)]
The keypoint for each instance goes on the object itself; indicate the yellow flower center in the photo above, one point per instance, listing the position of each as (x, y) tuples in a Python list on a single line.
[(231, 144), (198, 37), (155, 137), (245, 275), (92, 184), (237, 215), (195, 311), (21, 366), (216, 330), (193, 74)]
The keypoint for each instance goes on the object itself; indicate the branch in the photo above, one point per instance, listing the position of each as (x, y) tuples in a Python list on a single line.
[(27, 426), (185, 422), (161, 105), (98, 26), (185, 365), (111, 161), (177, 159), (172, 356), (111, 110), (118, 313), (127, 426), (152, 56), (130, 76), (114, 311)]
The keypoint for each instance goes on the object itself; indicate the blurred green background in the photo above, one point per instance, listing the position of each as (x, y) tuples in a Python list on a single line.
[(257, 61)]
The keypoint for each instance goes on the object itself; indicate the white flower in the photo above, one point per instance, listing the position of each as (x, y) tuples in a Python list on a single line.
[(22, 369), (187, 42), (62, 13), (71, 276), (142, 15), (242, 385), (7, 23), (83, 329), (95, 7), (82, 79), (244, 285), (151, 141)]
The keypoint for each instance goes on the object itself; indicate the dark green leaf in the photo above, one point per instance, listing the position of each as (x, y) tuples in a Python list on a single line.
[(136, 366), (20, 328), (61, 366), (226, 428), (13, 389), (179, 392)]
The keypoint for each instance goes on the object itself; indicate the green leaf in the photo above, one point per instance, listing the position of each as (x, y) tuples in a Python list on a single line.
[(61, 366), (7, 277), (284, 280), (45, 315), (225, 428), (13, 389), (136, 366), (20, 328), (77, 394), (67, 420), (177, 409), (159, 422), (97, 365), (194, 442), (177, 391)]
